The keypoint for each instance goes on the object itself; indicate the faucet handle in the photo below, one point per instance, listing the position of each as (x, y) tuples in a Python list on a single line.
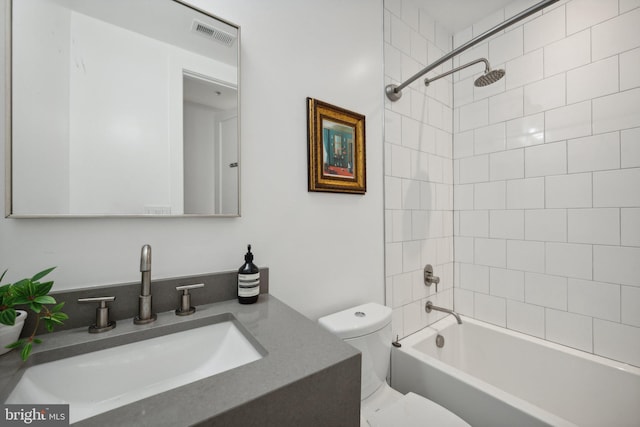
[(103, 323), (429, 278), (185, 302)]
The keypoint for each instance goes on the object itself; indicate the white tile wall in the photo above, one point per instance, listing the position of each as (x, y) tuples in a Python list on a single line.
[(547, 159), (525, 318), (616, 188), (587, 82), (572, 121), (508, 224), (617, 341), (616, 35), (616, 264), (545, 171), (547, 225), (569, 329), (524, 69), (630, 297), (489, 139), (567, 53), (545, 94), (490, 195), (507, 283), (618, 111), (490, 309), (595, 226), (561, 186), (525, 256), (506, 106), (568, 191), (569, 260), (630, 226), (419, 169), (506, 165), (629, 61), (630, 148), (546, 291), (525, 131), (585, 13), (592, 153), (595, 299), (491, 252), (545, 30), (525, 193)]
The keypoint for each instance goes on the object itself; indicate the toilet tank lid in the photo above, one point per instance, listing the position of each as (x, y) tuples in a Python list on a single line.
[(357, 321)]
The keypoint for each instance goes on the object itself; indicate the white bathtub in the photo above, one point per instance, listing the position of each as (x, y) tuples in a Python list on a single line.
[(492, 376)]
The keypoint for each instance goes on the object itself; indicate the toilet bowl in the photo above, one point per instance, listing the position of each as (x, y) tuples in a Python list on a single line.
[(367, 327)]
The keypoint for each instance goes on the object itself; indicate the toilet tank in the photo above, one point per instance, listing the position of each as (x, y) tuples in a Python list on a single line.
[(367, 327)]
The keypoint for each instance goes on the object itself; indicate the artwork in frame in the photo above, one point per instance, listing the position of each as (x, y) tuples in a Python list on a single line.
[(336, 149)]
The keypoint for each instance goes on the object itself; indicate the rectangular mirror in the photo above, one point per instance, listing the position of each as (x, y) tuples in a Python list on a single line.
[(122, 108)]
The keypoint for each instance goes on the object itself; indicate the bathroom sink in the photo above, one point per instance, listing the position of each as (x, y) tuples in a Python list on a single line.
[(96, 382)]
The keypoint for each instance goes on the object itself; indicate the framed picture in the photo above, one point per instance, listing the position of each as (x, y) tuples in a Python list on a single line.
[(336, 154)]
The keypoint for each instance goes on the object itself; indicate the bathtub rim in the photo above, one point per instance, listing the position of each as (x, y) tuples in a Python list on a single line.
[(411, 340)]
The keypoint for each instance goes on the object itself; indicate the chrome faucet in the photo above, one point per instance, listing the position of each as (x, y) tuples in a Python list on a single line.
[(145, 314), (430, 307)]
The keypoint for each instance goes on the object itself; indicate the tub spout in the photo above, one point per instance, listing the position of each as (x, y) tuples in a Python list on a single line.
[(145, 314), (430, 307)]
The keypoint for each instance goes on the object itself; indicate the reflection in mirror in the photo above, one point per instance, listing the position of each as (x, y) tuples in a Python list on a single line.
[(123, 107)]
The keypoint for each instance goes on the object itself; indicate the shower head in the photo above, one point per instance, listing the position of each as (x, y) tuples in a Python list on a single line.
[(490, 76)]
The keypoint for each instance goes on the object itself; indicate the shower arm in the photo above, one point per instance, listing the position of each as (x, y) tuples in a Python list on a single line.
[(394, 92), (487, 68)]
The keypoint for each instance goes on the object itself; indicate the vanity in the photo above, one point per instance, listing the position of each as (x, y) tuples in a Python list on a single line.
[(304, 377)]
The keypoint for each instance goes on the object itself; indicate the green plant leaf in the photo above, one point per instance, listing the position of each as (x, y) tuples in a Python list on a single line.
[(57, 308), (19, 299), (60, 316), (8, 316), (20, 284), (15, 344), (26, 351), (37, 341), (45, 299), (42, 288), (2, 277), (43, 273), (35, 306)]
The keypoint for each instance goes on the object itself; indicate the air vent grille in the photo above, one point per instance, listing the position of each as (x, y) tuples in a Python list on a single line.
[(212, 33)]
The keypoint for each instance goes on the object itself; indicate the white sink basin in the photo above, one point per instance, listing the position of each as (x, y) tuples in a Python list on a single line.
[(96, 382)]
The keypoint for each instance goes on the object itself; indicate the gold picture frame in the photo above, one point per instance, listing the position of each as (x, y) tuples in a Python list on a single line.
[(336, 151)]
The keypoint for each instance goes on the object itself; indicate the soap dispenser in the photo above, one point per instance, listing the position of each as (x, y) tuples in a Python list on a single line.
[(248, 280)]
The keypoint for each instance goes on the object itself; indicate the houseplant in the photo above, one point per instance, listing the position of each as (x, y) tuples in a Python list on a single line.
[(33, 295)]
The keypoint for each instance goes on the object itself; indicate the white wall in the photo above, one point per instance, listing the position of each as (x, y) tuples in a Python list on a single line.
[(547, 173), (324, 251), (418, 168)]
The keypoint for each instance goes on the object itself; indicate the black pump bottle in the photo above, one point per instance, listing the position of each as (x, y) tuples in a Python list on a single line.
[(248, 280)]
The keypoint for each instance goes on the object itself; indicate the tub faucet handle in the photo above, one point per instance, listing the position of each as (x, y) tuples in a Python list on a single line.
[(185, 299), (429, 278), (103, 323)]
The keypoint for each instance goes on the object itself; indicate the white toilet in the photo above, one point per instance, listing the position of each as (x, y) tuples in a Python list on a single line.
[(367, 327)]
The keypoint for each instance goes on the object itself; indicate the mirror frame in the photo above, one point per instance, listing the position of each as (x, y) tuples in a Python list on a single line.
[(8, 134)]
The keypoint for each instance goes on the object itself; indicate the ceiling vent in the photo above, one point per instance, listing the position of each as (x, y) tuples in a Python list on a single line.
[(212, 33)]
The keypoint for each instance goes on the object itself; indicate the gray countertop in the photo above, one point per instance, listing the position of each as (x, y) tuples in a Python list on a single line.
[(296, 348)]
